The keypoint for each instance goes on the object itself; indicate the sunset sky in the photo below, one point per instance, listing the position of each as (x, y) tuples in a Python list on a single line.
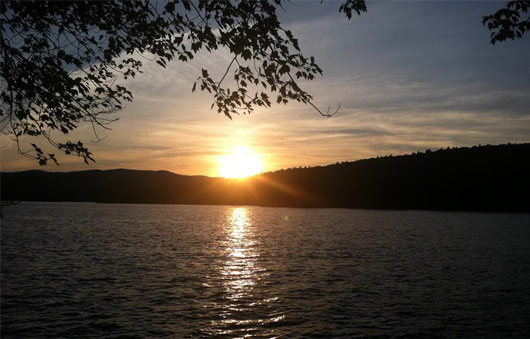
[(409, 76)]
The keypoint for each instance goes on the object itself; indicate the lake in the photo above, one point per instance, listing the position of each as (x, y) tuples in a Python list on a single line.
[(136, 271)]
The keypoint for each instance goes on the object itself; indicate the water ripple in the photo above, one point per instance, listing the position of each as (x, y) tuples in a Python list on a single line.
[(141, 271)]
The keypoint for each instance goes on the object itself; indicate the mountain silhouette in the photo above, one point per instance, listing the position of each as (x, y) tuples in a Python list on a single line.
[(480, 178)]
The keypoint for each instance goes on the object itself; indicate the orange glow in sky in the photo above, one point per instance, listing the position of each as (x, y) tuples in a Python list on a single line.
[(241, 162)]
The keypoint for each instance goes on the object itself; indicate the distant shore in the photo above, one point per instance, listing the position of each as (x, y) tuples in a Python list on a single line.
[(479, 178)]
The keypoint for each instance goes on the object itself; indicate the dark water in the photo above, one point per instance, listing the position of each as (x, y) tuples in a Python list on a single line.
[(119, 271)]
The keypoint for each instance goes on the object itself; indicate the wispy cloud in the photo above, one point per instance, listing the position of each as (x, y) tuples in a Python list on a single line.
[(409, 76)]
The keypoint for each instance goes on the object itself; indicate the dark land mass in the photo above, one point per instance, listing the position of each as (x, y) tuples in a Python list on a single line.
[(480, 178)]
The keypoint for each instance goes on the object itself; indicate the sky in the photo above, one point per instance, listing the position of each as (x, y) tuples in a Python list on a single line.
[(409, 76)]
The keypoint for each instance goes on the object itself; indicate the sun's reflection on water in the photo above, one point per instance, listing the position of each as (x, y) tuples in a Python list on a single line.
[(240, 268), (246, 304)]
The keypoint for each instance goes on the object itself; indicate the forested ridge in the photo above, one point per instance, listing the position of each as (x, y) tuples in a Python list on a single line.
[(481, 178)]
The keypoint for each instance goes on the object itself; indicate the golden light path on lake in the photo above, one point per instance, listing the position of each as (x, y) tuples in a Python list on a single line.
[(241, 264), (241, 276)]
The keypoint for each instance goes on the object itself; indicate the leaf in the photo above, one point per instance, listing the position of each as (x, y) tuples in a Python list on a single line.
[(284, 69), (170, 7)]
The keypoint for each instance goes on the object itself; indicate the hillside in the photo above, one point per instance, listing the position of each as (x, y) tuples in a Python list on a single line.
[(482, 178)]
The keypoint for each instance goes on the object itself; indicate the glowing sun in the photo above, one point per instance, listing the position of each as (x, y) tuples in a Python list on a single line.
[(241, 162)]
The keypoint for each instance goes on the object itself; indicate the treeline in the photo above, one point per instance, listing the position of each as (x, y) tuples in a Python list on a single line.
[(481, 178)]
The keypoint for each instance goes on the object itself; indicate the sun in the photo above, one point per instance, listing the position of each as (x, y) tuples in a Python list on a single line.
[(241, 162)]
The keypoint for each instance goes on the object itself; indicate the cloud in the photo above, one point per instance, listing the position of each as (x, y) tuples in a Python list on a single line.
[(409, 76)]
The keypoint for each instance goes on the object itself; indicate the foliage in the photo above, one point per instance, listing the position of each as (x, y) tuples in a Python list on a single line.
[(511, 22), (60, 60)]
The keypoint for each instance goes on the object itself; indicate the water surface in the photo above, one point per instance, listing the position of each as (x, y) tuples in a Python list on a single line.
[(102, 270)]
